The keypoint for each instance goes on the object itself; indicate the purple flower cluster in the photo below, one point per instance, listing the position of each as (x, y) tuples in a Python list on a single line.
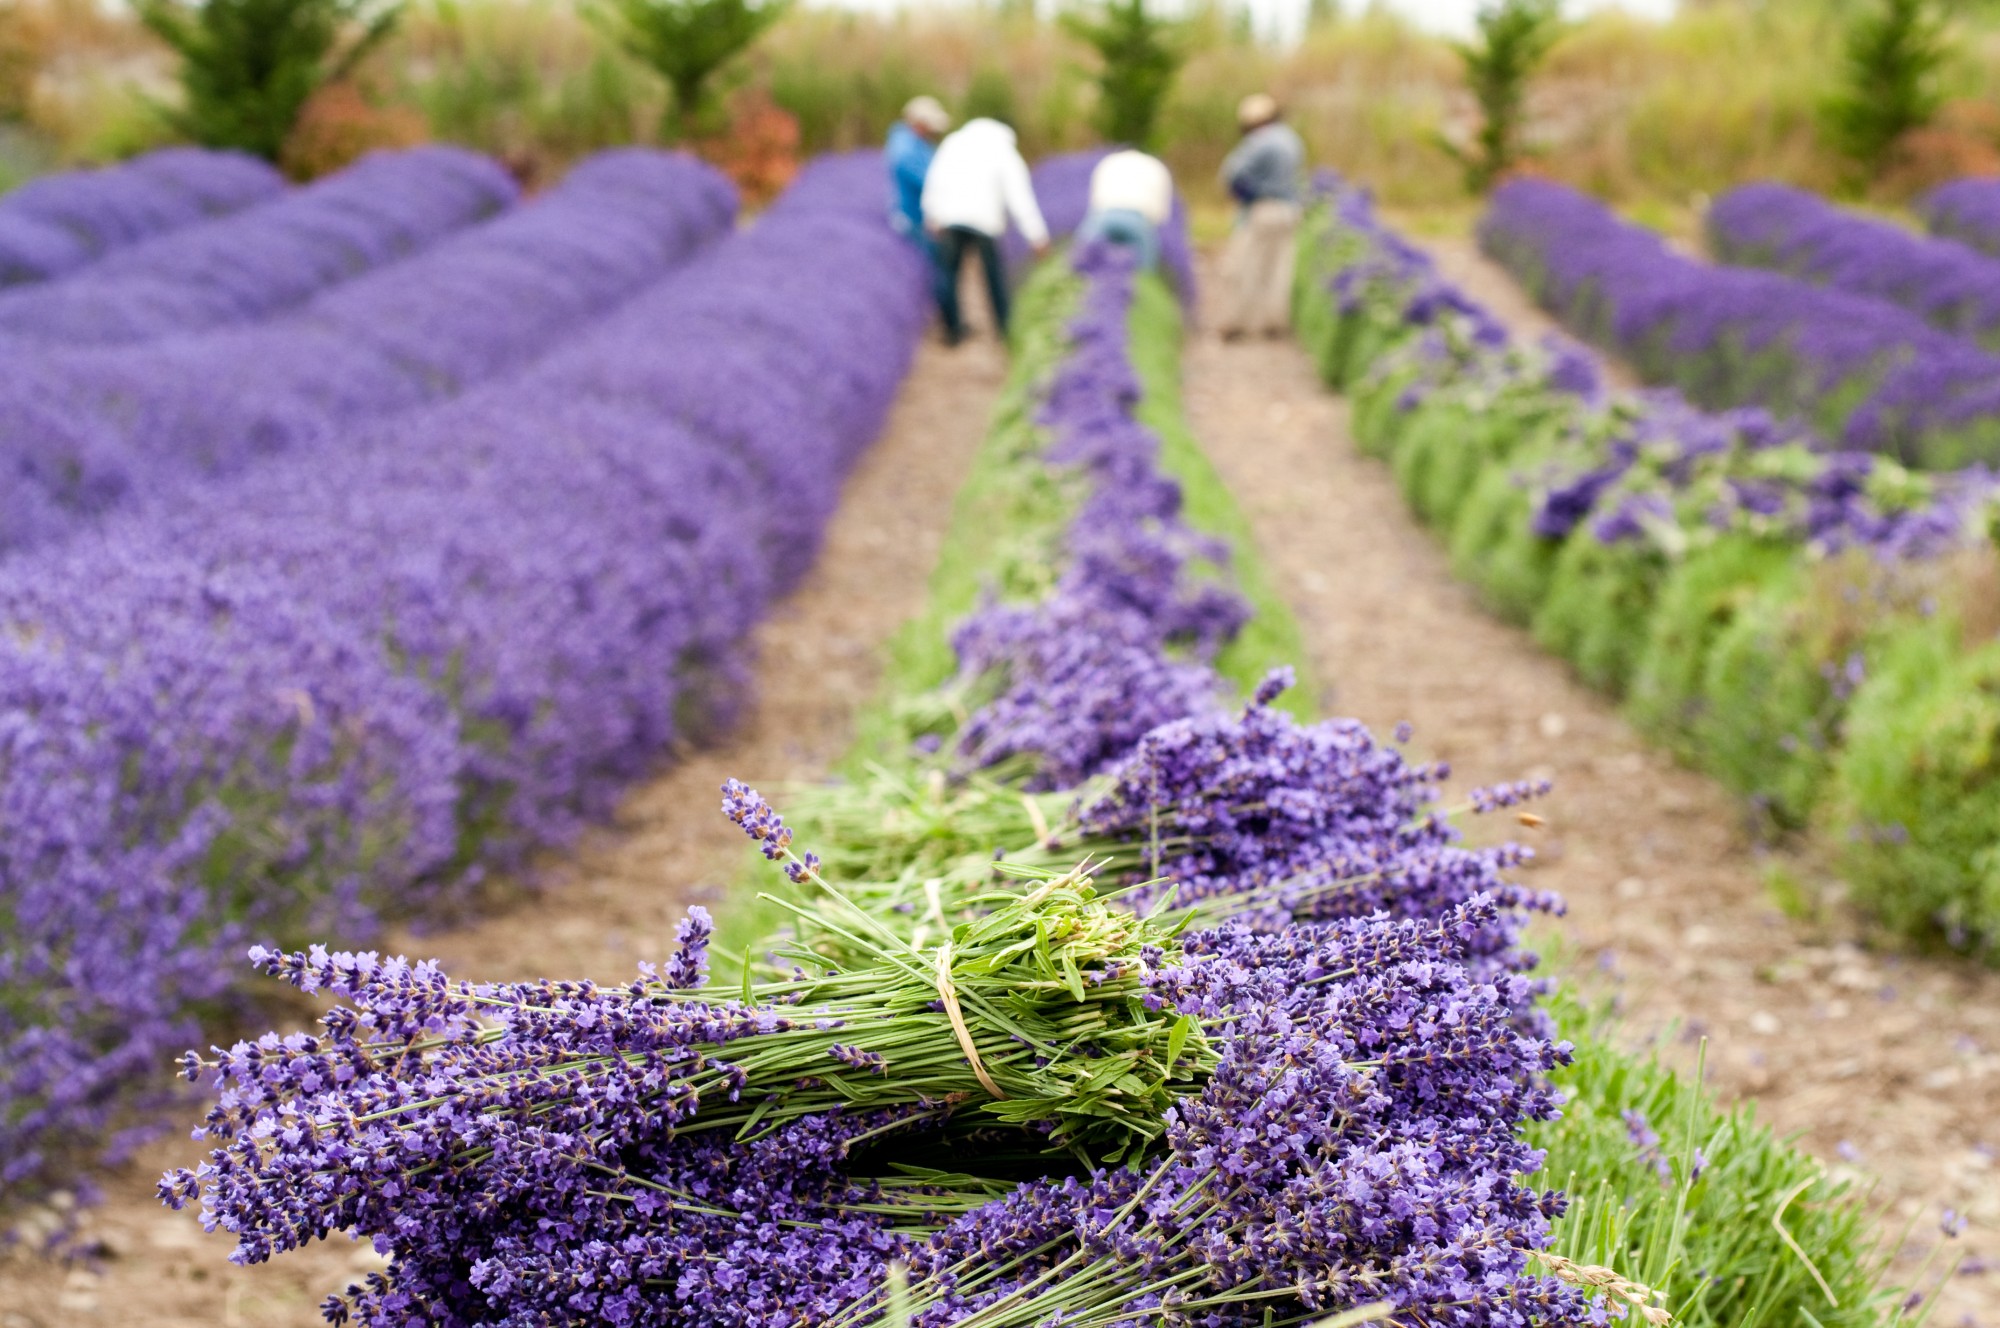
[(1357, 1145), (55, 225), (1948, 284), (1119, 647), (1965, 210), (246, 267), (1645, 466), (83, 431), (532, 1172), (1873, 376), (1277, 821), (350, 680)]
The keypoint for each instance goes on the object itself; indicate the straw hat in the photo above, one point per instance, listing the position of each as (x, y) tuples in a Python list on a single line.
[(1259, 108), (927, 113)]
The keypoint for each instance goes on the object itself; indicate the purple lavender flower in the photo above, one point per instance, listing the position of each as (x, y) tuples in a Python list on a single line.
[(57, 224)]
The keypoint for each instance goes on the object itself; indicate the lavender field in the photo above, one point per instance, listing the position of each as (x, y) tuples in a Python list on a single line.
[(385, 555)]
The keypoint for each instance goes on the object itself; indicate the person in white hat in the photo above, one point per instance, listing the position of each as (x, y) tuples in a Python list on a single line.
[(978, 182), (1262, 174), (1131, 197), (912, 143)]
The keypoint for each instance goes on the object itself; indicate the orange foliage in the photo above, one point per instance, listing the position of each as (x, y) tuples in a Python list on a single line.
[(1964, 140), (339, 125), (759, 150)]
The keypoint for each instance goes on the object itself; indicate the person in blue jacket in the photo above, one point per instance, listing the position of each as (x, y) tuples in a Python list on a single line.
[(912, 144)]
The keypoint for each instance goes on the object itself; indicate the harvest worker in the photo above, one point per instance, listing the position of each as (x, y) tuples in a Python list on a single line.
[(1131, 197), (976, 182), (912, 144), (1262, 173)]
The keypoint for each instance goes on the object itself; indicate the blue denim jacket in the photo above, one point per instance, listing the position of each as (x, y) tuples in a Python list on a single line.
[(909, 157)]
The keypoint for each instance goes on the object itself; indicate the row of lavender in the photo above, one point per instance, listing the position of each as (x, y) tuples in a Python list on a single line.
[(258, 261), (1346, 1048), (1950, 285), (53, 226), (84, 431), (1802, 622), (346, 683), (1867, 374)]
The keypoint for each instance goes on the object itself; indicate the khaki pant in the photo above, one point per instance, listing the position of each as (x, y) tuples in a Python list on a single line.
[(1257, 270)]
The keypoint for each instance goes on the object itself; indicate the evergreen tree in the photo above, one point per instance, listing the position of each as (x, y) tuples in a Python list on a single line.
[(1140, 53), (249, 66), (1895, 50), (1514, 36), (688, 41)]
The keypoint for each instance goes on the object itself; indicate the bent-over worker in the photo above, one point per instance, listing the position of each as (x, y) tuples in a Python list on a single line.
[(977, 182), (1131, 197)]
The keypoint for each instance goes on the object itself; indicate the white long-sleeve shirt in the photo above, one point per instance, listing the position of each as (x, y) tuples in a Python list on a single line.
[(1133, 182), (978, 180)]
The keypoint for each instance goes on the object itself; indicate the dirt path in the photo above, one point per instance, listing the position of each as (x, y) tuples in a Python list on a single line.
[(614, 900), (1884, 1064)]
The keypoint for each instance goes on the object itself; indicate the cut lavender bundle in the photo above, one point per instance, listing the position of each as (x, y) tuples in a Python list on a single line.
[(1035, 1014), (1355, 1146)]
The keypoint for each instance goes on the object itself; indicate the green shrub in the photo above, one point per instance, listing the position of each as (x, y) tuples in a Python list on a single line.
[(1138, 53), (248, 67), (1514, 37), (1915, 796), (687, 42), (1769, 712), (1889, 79), (1599, 603), (1699, 601), (1380, 413), (1494, 547)]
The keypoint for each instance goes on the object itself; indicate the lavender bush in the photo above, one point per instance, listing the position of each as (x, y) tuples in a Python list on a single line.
[(1749, 589), (1949, 285), (350, 681), (1965, 210), (1868, 375), (247, 267), (52, 226), (82, 432)]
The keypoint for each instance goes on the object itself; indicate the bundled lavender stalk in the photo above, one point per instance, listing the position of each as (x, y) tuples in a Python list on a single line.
[(1356, 1146), (423, 1094)]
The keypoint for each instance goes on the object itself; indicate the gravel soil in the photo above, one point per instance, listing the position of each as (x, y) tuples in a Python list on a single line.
[(615, 898), (1885, 1065)]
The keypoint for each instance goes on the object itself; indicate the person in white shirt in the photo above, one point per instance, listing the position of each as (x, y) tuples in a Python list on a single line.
[(1131, 197), (977, 181)]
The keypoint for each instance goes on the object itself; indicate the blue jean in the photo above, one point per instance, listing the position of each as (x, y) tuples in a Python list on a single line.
[(952, 244), (1126, 227)]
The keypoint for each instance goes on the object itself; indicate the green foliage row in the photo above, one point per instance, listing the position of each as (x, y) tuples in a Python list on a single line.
[(1841, 696), (1734, 1226)]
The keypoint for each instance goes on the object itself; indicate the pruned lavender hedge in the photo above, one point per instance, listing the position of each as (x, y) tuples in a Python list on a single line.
[(1784, 615), (1949, 285), (1868, 375), (60, 223), (246, 267), (84, 431), (1965, 210), (347, 683)]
